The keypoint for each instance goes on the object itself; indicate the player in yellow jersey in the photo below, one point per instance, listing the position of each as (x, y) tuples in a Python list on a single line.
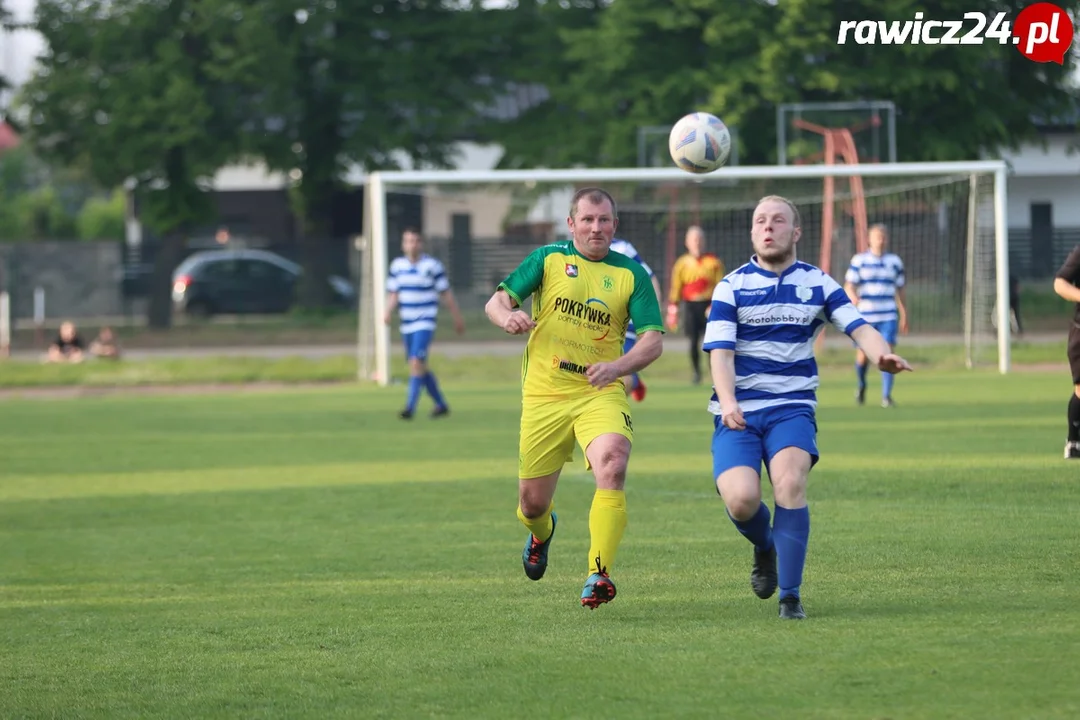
[(694, 276), (584, 295)]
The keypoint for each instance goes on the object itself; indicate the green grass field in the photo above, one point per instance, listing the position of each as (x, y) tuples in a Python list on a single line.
[(304, 554)]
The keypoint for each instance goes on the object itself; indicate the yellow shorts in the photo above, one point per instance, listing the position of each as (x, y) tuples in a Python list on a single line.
[(549, 428)]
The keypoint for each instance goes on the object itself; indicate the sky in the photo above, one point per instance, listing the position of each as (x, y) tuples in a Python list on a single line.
[(17, 50)]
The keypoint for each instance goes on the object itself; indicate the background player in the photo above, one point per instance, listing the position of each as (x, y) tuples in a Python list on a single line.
[(762, 324), (634, 385), (571, 378), (875, 284), (415, 283), (1065, 284), (693, 277)]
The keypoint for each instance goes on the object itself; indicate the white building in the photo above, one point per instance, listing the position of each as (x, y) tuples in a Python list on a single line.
[(1044, 201)]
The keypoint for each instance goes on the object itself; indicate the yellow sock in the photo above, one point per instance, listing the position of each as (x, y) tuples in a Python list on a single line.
[(607, 521), (541, 526)]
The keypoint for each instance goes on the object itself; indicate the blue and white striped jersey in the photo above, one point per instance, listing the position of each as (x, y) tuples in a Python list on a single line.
[(771, 321), (418, 287), (876, 280), (624, 247)]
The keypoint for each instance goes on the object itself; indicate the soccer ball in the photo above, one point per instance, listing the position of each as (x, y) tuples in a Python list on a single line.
[(699, 143)]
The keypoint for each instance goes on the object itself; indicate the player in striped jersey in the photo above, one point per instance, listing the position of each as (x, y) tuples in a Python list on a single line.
[(416, 282), (635, 387), (875, 283), (763, 319)]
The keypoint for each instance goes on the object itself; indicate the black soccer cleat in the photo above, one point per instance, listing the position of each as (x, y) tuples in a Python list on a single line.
[(860, 396), (1072, 450), (763, 577), (405, 414), (791, 608), (440, 412)]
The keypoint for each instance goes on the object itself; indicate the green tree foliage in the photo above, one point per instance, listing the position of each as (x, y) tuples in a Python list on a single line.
[(102, 218), (126, 90), (953, 101), (35, 202), (353, 83), (636, 63), (5, 22)]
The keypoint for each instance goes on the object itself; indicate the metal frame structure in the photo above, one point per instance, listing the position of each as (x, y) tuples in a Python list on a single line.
[(874, 107), (379, 182)]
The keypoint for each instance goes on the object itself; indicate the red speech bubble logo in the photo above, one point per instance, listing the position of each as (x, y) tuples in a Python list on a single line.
[(1043, 33)]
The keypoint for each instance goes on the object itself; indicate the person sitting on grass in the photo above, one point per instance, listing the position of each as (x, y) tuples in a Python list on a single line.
[(104, 346), (67, 347)]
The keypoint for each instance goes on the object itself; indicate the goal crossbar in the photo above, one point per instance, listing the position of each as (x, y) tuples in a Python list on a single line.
[(378, 183)]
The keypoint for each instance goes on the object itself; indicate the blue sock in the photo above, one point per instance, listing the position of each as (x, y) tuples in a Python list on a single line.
[(415, 384), (887, 380), (635, 381), (756, 529), (860, 372), (791, 528), (433, 388)]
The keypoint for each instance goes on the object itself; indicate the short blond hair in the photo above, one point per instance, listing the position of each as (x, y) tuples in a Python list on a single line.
[(797, 218), (594, 195)]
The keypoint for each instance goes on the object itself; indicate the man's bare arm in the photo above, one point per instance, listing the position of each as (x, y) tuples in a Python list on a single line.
[(649, 347), (455, 312), (502, 314), (391, 306), (852, 294), (1066, 290)]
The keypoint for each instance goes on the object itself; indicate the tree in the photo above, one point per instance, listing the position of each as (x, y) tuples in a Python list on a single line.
[(36, 202), (5, 24), (126, 90), (647, 63), (363, 83), (953, 101), (612, 68), (102, 218)]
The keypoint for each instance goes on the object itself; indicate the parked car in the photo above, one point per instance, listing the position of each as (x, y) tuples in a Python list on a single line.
[(216, 282)]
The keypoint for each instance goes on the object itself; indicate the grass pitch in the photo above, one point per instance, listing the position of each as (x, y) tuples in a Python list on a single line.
[(305, 554)]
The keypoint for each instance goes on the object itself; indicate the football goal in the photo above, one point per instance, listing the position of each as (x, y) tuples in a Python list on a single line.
[(946, 221)]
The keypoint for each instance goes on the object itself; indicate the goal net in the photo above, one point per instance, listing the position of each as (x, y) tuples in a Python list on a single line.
[(946, 221)]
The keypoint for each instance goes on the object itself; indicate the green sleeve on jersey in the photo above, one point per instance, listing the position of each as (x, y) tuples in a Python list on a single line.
[(644, 309), (524, 281)]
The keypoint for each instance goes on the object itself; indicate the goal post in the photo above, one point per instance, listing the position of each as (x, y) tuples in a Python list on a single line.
[(947, 221)]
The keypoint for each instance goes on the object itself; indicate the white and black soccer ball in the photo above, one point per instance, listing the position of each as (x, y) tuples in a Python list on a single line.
[(700, 143)]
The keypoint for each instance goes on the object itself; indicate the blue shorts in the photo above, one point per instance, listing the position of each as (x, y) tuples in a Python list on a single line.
[(417, 343), (767, 432), (888, 330)]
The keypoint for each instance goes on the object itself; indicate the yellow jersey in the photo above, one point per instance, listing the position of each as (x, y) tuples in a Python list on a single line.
[(581, 308), (695, 278)]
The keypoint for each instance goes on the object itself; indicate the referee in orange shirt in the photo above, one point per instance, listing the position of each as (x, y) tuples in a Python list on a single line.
[(693, 278)]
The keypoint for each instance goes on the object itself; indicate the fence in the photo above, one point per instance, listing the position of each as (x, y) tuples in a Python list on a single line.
[(104, 279)]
